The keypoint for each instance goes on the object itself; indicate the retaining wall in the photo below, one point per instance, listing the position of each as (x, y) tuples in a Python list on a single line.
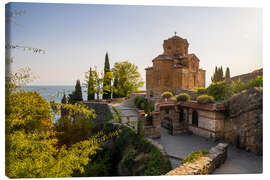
[(203, 165)]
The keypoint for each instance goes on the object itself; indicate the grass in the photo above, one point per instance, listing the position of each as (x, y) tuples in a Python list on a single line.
[(193, 156)]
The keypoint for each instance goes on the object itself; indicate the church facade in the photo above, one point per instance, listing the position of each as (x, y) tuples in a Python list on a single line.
[(175, 69)]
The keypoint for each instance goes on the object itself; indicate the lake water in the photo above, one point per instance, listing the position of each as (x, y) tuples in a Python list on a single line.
[(55, 93)]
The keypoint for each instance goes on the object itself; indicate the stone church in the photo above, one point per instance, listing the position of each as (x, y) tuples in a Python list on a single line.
[(175, 69)]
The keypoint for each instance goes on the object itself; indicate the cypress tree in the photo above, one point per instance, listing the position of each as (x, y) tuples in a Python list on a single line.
[(76, 95), (90, 87), (107, 81), (63, 101), (228, 76)]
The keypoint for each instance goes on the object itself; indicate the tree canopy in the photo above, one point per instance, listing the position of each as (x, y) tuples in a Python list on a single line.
[(127, 77)]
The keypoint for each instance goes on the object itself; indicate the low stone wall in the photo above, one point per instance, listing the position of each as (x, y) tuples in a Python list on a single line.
[(204, 165)]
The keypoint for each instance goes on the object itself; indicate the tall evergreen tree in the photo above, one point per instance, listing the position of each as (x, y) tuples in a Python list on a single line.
[(76, 95), (90, 86), (63, 101), (107, 79), (218, 75), (228, 76)]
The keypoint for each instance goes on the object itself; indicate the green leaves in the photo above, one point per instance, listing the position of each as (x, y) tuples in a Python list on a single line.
[(127, 77)]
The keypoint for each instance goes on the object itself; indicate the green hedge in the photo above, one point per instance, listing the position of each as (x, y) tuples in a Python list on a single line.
[(167, 94), (183, 97), (205, 99)]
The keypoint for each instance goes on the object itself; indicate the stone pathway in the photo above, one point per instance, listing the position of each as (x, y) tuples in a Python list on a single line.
[(238, 161), (128, 111)]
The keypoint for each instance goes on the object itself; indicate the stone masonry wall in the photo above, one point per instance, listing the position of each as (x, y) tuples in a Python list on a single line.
[(204, 165), (243, 126)]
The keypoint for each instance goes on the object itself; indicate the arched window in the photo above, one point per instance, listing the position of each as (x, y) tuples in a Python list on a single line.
[(195, 118)]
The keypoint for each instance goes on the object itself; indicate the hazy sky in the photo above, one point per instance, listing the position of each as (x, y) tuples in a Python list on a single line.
[(76, 37)]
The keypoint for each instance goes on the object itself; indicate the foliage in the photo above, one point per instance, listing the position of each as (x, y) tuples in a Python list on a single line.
[(238, 86), (183, 97), (101, 164), (201, 91), (140, 127), (75, 125), (127, 78), (31, 145), (218, 75), (32, 155), (115, 88), (220, 91), (117, 115), (107, 79), (258, 82), (27, 111), (205, 99), (148, 106), (90, 85), (76, 95), (193, 156), (130, 145), (139, 102), (166, 94)]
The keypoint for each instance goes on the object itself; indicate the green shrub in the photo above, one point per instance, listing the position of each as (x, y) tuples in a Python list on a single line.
[(201, 91), (139, 102), (238, 86), (205, 99), (220, 91), (183, 97), (193, 156), (258, 82), (167, 94)]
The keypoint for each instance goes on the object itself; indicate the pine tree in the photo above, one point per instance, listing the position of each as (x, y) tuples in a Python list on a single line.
[(107, 79), (76, 95), (90, 87)]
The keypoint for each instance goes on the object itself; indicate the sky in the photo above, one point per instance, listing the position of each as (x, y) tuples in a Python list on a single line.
[(77, 37)]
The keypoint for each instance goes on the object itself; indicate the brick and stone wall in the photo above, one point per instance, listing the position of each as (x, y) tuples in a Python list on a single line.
[(150, 130), (244, 123), (210, 123), (203, 165)]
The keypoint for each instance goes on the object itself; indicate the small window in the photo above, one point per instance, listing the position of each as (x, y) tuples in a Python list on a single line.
[(195, 118)]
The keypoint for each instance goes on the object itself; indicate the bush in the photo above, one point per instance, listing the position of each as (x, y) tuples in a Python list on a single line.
[(139, 102), (183, 97), (220, 91), (167, 94), (205, 99), (201, 91), (258, 82)]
